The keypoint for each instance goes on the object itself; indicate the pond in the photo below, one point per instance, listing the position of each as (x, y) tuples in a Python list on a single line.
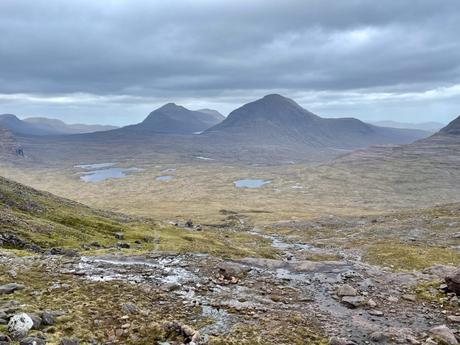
[(248, 183), (163, 178), (104, 171)]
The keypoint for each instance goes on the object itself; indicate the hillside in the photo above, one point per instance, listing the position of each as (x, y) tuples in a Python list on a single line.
[(41, 126), (276, 119), (175, 119), (9, 147)]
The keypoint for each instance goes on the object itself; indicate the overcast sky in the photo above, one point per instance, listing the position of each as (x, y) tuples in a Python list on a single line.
[(114, 61)]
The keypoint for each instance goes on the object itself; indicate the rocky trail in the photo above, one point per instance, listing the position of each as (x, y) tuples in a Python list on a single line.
[(346, 300)]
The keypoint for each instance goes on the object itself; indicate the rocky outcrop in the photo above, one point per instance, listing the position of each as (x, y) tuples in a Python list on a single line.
[(453, 281), (10, 288)]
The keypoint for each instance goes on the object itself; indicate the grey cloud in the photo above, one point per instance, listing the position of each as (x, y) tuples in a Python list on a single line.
[(184, 49)]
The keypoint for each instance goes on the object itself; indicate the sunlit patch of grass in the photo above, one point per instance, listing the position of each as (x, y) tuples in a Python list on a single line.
[(402, 256)]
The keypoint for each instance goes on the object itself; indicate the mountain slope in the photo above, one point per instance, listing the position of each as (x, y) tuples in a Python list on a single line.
[(174, 119), (9, 147), (276, 119), (43, 126), (452, 128)]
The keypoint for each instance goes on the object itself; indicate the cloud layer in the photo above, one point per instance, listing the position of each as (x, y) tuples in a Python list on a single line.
[(113, 61)]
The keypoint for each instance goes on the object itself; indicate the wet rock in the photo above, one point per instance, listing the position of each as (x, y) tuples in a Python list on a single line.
[(32, 341), (189, 223), (10, 288), (130, 308), (453, 281), (353, 301), (444, 334), (20, 325), (48, 318), (69, 341), (346, 290)]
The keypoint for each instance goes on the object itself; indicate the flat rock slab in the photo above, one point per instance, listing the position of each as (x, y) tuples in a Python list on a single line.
[(10, 288)]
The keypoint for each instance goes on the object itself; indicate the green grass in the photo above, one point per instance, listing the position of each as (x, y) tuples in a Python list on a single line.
[(403, 256), (49, 221)]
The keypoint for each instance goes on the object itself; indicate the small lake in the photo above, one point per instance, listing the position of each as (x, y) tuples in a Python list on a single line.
[(104, 171), (163, 178), (248, 183)]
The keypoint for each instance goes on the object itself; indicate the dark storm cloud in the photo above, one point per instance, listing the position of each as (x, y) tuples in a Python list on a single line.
[(223, 49)]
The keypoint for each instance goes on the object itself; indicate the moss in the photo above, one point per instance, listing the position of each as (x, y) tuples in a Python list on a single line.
[(429, 291), (402, 256)]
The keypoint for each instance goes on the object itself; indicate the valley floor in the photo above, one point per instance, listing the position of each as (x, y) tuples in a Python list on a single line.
[(353, 251)]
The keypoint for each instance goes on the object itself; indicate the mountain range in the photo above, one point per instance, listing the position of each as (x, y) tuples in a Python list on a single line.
[(45, 126), (269, 130)]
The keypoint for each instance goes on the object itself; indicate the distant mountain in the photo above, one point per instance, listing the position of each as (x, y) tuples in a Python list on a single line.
[(276, 119), (175, 119), (60, 127), (44, 126), (424, 126), (443, 147)]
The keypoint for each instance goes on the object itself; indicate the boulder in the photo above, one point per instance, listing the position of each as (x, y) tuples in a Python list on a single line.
[(20, 325), (453, 281), (10, 288), (37, 320), (69, 341), (119, 236), (48, 318), (444, 334), (232, 269), (353, 301), (346, 290)]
